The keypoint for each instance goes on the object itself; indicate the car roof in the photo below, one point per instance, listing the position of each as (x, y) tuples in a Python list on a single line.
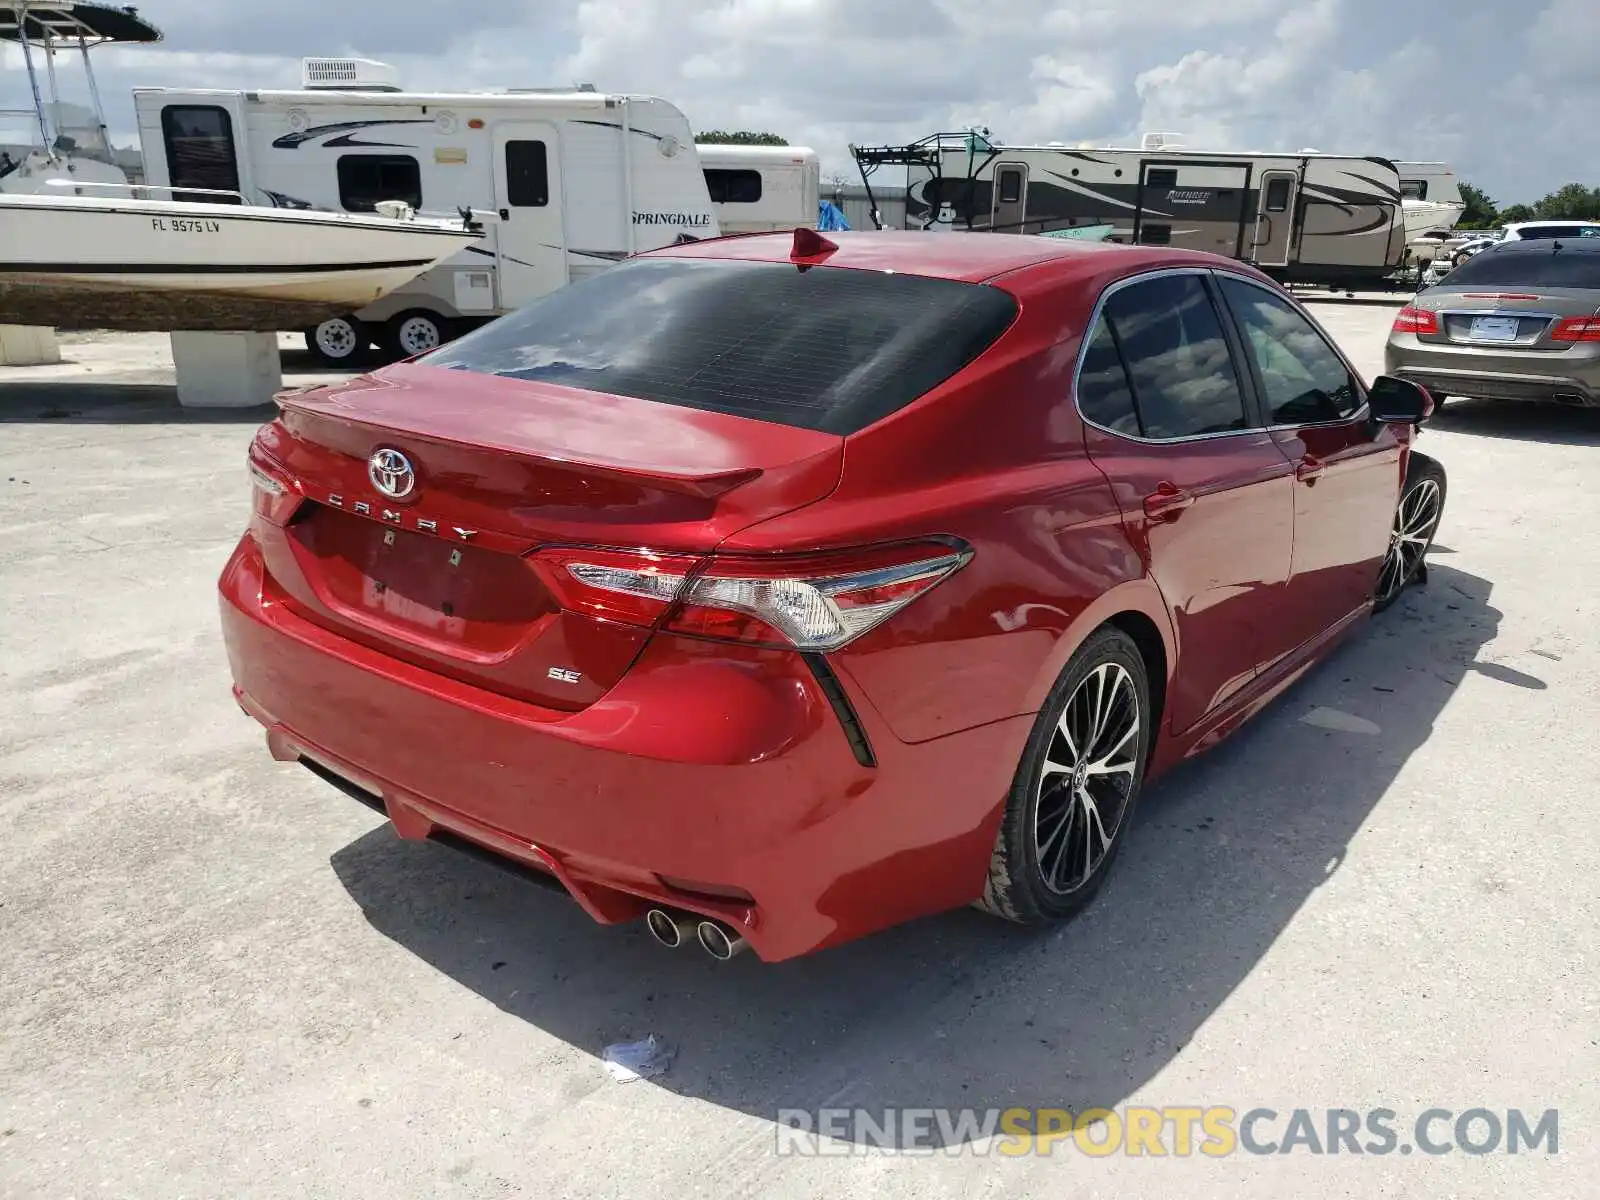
[(1566, 221), (1547, 246), (968, 257)]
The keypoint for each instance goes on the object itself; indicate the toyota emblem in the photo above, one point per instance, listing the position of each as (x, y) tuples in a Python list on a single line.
[(391, 473)]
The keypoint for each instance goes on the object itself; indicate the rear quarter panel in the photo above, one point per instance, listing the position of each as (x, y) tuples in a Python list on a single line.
[(997, 459)]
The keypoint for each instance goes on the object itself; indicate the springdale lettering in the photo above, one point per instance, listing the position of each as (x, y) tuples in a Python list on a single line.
[(686, 220)]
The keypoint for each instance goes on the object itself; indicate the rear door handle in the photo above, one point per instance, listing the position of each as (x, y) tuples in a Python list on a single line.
[(1167, 502), (1308, 469)]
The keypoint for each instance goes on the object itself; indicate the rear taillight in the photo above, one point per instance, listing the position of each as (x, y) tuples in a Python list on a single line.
[(1415, 320), (273, 494), (1577, 329), (814, 602), (635, 587), (818, 604)]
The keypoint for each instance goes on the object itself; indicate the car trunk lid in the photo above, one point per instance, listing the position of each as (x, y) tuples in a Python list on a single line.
[(1505, 319), (501, 467)]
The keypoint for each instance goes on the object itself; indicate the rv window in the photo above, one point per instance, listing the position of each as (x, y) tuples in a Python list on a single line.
[(364, 179), (1414, 189), (527, 175), (1155, 235), (1103, 393), (1010, 186), (1177, 357), (826, 348), (733, 187), (1278, 194), (1161, 177), (1303, 380), (199, 145)]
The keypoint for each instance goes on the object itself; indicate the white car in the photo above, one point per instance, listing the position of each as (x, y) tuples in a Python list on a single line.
[(1524, 230)]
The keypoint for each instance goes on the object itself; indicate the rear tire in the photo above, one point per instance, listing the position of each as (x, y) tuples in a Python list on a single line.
[(1075, 790), (1416, 521), (338, 341)]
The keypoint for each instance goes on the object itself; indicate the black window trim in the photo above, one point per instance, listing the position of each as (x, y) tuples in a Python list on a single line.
[(724, 177), (1246, 377), (1016, 171), (393, 159), (1288, 182), (1256, 382), (167, 141), (544, 165)]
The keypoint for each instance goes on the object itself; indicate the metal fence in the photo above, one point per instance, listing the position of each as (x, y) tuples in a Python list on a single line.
[(852, 200)]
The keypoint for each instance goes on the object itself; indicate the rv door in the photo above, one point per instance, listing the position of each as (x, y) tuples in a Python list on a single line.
[(201, 138), (1274, 228), (1009, 211), (530, 240)]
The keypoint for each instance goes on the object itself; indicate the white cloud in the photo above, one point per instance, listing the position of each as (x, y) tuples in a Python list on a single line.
[(1507, 94), (1562, 41), (1215, 98)]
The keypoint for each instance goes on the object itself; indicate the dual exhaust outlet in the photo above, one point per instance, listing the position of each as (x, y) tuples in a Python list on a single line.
[(675, 929)]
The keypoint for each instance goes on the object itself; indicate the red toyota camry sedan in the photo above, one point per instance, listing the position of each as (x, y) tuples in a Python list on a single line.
[(777, 589)]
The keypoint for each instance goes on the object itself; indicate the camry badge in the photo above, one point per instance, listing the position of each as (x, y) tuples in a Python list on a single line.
[(391, 473)]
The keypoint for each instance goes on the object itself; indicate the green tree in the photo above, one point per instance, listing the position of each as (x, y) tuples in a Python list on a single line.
[(739, 137), (1480, 212), (1517, 212), (1573, 203)]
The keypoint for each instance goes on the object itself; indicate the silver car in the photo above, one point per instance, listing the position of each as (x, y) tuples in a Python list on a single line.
[(1520, 321)]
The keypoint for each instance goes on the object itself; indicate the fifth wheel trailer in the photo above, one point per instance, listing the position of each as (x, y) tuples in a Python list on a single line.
[(1305, 218)]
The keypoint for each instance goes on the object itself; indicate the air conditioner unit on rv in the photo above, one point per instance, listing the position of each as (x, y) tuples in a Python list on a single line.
[(348, 75), (1156, 140)]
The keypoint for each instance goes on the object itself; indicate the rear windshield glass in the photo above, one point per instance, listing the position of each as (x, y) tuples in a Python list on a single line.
[(1539, 268), (822, 348)]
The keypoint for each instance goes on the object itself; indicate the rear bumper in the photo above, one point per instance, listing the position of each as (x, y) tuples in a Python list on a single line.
[(710, 771), (1494, 377)]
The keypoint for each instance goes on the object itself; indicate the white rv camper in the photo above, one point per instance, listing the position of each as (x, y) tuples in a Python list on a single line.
[(761, 189), (567, 181), (1303, 217)]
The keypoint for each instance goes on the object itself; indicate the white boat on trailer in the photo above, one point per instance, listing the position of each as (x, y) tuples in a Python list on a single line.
[(1431, 197), (119, 261), (80, 245)]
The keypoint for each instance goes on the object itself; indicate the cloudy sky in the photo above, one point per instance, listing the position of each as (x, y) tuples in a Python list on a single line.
[(1507, 91)]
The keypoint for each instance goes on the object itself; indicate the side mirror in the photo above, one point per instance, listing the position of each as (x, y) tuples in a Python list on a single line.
[(1399, 401)]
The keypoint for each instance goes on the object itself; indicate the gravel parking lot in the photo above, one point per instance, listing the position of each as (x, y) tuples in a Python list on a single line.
[(220, 977)]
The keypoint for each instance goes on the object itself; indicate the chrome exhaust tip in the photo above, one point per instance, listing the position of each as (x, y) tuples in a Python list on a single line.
[(667, 928), (718, 941)]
